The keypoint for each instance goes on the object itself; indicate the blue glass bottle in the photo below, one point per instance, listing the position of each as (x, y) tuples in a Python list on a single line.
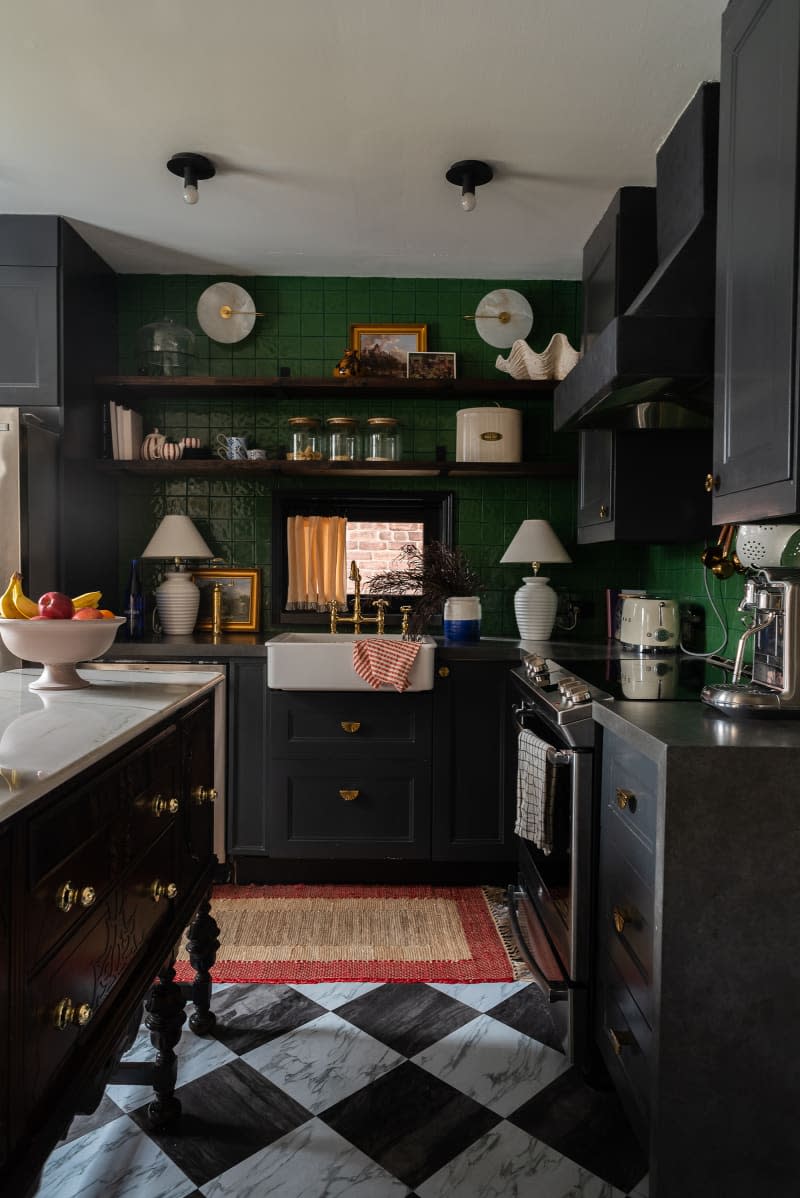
[(134, 603)]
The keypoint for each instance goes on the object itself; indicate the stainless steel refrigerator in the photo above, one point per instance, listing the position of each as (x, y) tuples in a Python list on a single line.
[(29, 504)]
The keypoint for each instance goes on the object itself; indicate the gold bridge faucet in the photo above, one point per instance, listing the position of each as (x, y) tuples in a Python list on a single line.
[(357, 619)]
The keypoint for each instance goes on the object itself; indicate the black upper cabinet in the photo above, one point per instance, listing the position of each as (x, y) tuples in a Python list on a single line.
[(756, 384), (643, 485)]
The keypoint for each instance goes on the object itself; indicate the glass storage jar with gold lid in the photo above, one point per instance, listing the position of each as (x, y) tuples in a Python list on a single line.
[(344, 442), (383, 439), (306, 439)]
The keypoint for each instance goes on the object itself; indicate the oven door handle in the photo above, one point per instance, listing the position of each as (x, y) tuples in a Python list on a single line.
[(554, 756), (556, 990)]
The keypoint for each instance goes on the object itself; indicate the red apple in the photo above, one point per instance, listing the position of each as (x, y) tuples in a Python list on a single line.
[(88, 613), (55, 606)]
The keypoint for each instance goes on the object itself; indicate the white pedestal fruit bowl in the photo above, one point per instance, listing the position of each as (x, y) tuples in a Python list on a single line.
[(59, 645)]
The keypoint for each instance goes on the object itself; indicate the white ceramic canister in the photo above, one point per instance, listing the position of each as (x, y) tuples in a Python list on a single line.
[(489, 435), (462, 619)]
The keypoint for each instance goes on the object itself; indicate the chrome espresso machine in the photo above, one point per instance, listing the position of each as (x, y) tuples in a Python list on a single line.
[(772, 597)]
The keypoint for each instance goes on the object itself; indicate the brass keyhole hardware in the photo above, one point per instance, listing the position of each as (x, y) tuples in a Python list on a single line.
[(712, 483), (622, 916), (66, 1014), (159, 805), (626, 799), (620, 1039), (69, 895), (349, 795), (603, 511), (160, 890), (202, 794), (350, 725), (443, 671)]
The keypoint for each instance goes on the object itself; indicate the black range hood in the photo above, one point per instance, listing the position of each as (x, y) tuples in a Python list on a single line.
[(648, 359)]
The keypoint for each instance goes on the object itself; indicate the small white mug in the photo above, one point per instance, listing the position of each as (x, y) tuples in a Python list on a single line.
[(232, 448)]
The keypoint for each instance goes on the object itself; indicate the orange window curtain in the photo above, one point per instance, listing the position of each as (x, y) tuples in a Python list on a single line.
[(316, 550)]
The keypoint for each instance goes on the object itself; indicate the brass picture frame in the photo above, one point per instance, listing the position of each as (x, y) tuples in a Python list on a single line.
[(383, 348), (241, 599)]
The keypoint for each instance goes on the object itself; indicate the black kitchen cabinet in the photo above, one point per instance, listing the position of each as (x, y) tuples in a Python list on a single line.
[(643, 485), (248, 749), (755, 472), (58, 331), (473, 813)]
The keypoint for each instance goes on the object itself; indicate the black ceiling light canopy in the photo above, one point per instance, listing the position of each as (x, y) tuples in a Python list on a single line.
[(468, 175), (191, 167)]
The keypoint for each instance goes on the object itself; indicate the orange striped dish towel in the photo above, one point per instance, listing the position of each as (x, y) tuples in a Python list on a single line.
[(384, 663)]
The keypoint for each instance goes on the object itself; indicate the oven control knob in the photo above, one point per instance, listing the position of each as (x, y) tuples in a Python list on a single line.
[(574, 691), (566, 682)]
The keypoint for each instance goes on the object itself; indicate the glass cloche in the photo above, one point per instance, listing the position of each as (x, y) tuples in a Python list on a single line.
[(164, 348)]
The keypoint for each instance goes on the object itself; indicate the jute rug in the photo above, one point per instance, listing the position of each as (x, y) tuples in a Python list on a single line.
[(358, 934)]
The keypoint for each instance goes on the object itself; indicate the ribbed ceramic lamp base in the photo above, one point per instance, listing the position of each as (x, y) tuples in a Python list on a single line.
[(535, 608), (177, 603)]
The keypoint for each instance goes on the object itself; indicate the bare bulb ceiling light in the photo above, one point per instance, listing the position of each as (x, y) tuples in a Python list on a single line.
[(468, 175), (191, 167)]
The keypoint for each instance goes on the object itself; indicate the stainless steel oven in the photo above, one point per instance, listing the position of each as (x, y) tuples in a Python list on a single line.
[(551, 905)]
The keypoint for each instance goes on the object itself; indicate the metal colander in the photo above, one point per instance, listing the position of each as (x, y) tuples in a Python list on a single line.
[(759, 545)]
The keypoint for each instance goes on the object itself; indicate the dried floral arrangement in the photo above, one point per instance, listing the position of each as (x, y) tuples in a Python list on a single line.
[(437, 571)]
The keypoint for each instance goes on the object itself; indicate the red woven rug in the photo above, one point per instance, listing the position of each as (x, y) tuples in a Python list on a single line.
[(355, 934)]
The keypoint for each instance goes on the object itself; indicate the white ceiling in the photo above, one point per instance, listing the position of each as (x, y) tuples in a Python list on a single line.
[(332, 123)]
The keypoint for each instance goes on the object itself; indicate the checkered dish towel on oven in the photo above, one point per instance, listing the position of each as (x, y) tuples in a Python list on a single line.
[(384, 663), (536, 791)]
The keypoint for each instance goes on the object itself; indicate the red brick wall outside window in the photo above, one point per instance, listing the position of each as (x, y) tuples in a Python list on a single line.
[(375, 547)]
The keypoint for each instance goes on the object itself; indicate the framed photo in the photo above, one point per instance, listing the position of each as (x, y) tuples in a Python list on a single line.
[(383, 348), (241, 599), (431, 365)]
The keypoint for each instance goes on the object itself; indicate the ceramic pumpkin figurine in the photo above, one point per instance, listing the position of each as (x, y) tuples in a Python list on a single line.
[(152, 446), (171, 451)]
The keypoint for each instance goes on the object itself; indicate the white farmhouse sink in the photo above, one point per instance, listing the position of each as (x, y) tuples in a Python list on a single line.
[(323, 661)]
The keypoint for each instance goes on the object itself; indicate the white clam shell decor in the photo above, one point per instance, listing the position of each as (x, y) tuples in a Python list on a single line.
[(554, 362)]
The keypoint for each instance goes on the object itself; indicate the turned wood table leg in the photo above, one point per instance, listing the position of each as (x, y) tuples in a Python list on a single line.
[(164, 1019), (202, 942)]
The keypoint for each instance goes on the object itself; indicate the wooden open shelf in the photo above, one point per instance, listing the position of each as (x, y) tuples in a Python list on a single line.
[(216, 467), (133, 386)]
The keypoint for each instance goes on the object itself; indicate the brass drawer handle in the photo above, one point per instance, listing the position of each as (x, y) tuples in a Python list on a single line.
[(160, 890), (443, 671), (203, 794), (620, 1039), (66, 1014), (69, 895), (603, 511), (349, 795), (626, 799), (712, 483), (622, 916), (159, 805), (350, 725)]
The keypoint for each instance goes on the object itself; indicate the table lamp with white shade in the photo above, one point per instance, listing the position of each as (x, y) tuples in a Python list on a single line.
[(177, 598), (535, 602)]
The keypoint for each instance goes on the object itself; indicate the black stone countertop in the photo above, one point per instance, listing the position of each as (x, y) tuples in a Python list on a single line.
[(656, 728)]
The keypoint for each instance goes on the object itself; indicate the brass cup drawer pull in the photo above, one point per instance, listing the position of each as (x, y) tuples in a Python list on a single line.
[(66, 1014), (623, 916), (350, 725), (348, 795), (626, 800), (443, 671), (204, 794), (160, 805), (159, 890), (69, 895), (620, 1039)]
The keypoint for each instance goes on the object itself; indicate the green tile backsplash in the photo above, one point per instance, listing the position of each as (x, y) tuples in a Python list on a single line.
[(305, 329)]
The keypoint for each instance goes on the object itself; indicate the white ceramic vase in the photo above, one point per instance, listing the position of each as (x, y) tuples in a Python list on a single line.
[(535, 608), (177, 603)]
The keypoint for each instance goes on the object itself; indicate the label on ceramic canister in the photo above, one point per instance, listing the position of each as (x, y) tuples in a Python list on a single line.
[(491, 436)]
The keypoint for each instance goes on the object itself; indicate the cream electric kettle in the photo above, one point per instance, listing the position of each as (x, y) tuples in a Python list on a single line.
[(649, 624)]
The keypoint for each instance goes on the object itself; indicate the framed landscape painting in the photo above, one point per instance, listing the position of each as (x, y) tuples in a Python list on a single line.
[(383, 349), (241, 592), (431, 365)]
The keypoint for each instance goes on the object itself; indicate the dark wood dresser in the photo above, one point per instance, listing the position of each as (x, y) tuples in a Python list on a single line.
[(98, 879)]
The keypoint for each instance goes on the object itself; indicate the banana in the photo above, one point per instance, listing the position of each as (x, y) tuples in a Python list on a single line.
[(25, 606), (8, 608), (88, 599)]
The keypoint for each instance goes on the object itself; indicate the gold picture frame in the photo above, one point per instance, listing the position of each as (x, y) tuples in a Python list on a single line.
[(241, 599), (383, 348)]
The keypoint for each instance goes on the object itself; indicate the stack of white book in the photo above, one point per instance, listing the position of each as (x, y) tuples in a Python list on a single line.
[(126, 431)]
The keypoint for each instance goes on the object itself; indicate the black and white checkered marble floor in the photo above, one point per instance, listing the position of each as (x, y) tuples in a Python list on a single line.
[(361, 1091)]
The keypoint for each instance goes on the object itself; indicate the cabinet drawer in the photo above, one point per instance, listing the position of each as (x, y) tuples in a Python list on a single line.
[(349, 809), (349, 723), (625, 915), (630, 789), (89, 966), (626, 1045)]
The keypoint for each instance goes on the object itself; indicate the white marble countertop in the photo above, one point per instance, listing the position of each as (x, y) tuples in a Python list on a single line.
[(48, 737)]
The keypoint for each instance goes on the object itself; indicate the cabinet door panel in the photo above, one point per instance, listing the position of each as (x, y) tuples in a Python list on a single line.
[(755, 401), (29, 336), (595, 474), (248, 746), (5, 940)]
